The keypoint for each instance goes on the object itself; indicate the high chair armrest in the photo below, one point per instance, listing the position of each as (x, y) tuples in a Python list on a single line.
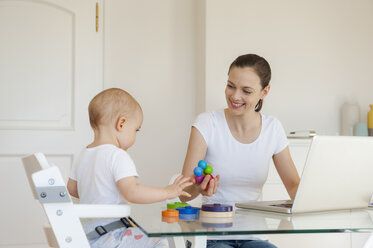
[(102, 210)]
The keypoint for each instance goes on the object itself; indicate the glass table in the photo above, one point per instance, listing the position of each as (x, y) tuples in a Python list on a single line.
[(249, 222)]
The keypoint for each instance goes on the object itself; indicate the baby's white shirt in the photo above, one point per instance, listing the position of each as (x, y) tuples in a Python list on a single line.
[(96, 171)]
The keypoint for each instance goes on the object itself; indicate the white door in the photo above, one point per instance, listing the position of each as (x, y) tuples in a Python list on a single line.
[(50, 68)]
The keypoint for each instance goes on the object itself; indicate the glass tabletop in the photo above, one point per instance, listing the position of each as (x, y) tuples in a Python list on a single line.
[(246, 222)]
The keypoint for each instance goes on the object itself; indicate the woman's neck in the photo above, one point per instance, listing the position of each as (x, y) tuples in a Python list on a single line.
[(245, 128), (243, 122)]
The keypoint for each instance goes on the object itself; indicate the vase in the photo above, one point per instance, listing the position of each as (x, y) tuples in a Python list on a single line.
[(361, 129), (370, 120), (350, 115)]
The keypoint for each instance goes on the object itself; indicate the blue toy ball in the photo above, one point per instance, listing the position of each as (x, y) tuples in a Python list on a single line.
[(198, 171), (202, 164)]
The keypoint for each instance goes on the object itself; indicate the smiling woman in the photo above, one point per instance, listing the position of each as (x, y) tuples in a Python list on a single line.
[(239, 143), (252, 74)]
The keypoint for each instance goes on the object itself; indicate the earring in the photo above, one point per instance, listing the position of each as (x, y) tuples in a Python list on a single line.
[(258, 105)]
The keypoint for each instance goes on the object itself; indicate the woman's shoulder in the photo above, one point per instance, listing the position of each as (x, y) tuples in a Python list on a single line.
[(217, 114), (210, 117), (270, 121)]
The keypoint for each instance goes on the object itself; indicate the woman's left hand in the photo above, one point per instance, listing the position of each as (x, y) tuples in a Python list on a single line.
[(209, 186)]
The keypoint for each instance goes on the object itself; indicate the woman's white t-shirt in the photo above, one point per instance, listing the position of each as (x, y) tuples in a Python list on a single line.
[(243, 168)]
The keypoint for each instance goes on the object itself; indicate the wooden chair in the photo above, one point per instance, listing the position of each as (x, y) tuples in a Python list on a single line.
[(49, 188)]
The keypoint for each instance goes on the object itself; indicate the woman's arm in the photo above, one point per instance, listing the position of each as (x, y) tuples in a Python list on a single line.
[(140, 193), (197, 151), (72, 187), (287, 171)]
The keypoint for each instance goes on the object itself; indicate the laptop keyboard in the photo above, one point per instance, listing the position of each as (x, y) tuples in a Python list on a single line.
[(283, 205)]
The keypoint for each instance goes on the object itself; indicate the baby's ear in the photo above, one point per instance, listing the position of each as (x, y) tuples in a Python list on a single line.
[(120, 123)]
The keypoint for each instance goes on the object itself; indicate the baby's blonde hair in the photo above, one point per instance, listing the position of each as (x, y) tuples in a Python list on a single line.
[(107, 106)]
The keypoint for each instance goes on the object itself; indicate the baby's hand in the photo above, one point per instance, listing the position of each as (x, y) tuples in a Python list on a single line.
[(176, 189)]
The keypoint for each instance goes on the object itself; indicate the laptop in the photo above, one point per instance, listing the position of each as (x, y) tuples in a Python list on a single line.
[(338, 174)]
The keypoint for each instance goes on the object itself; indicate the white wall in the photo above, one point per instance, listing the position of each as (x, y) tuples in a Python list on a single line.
[(150, 51), (173, 57), (320, 53)]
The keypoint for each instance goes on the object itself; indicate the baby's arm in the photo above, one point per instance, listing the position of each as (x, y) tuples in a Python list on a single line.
[(72, 187), (140, 193)]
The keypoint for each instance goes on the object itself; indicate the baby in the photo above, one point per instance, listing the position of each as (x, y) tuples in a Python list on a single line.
[(104, 173)]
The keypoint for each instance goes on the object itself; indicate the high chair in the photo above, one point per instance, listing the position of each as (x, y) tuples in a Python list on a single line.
[(49, 188)]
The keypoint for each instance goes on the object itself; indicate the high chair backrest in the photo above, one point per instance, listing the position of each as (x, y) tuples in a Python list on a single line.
[(32, 164), (49, 188)]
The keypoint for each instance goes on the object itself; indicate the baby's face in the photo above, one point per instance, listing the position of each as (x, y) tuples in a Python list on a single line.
[(128, 133)]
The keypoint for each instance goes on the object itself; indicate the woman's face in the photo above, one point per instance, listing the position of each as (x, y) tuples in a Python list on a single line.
[(243, 90)]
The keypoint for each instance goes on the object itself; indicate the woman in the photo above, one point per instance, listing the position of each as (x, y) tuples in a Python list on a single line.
[(239, 142)]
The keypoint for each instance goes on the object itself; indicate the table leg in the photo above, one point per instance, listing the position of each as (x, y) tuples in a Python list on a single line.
[(178, 242), (197, 242), (200, 242), (369, 242)]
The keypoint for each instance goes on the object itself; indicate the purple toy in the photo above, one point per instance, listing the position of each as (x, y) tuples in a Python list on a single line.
[(199, 179)]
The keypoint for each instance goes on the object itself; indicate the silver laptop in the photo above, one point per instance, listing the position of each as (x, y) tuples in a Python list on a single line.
[(338, 174)]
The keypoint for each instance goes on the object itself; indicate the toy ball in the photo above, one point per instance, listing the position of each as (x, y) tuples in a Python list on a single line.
[(208, 170), (202, 164), (198, 171), (200, 178)]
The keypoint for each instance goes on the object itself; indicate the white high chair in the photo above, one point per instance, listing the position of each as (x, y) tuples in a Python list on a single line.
[(49, 188)]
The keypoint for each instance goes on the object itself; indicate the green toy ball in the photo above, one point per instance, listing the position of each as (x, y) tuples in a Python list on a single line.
[(208, 170)]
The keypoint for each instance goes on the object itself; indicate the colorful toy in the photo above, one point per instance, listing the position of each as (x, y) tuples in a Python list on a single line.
[(201, 171), (188, 213), (198, 171), (208, 170), (216, 222), (216, 211), (199, 179), (217, 207), (176, 205), (202, 164), (170, 213), (170, 216), (170, 219)]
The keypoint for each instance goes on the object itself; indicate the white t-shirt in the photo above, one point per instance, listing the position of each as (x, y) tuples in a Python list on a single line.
[(243, 168), (96, 171)]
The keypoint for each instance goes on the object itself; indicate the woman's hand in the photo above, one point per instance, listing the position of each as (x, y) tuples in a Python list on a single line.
[(209, 186)]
